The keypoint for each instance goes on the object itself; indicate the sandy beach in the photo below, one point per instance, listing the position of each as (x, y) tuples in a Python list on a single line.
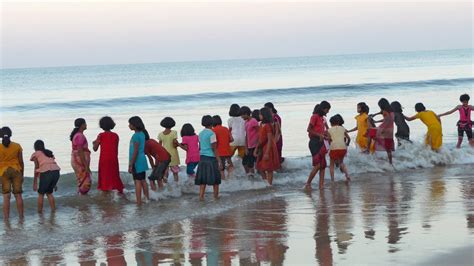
[(412, 217)]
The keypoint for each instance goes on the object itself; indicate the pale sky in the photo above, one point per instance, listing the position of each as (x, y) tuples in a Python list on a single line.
[(92, 33)]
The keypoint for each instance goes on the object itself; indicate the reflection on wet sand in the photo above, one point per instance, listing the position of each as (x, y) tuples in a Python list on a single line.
[(345, 220), (321, 236)]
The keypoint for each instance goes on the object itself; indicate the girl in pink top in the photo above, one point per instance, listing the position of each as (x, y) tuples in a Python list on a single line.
[(251, 142), (190, 143), (384, 137), (465, 122), (47, 170)]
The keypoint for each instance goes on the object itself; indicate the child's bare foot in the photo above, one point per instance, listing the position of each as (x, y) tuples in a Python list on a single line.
[(307, 186), (201, 198)]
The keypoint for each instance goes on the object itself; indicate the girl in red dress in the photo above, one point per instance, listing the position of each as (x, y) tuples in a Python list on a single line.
[(268, 159), (109, 176)]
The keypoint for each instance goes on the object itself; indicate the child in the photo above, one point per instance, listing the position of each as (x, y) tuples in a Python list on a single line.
[(169, 139), (47, 170), (159, 160), (339, 142), (137, 165), (278, 136), (81, 156), (224, 138), (108, 141), (268, 159), (256, 115), (465, 123), (434, 136), (11, 172), (317, 134), (190, 143), (251, 131), (209, 164), (403, 130), (384, 137), (362, 126), (237, 128)]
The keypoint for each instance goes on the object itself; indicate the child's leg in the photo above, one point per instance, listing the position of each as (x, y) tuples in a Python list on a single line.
[(40, 202), (389, 154), (153, 185), (176, 176), (165, 176), (145, 189), (331, 168), (202, 190), (344, 170), (230, 168), (216, 191), (322, 173), (270, 177), (19, 204), (458, 145), (52, 204), (311, 176), (6, 206), (138, 191), (160, 183)]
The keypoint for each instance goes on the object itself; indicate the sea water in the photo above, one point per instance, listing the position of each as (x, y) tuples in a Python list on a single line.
[(42, 103)]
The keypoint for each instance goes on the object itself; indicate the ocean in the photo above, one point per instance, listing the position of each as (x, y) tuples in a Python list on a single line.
[(42, 103)]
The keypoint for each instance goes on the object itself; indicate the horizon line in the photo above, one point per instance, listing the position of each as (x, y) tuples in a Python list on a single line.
[(233, 59)]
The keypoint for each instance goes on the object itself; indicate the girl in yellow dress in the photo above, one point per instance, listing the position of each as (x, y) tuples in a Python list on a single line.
[(362, 127), (434, 136)]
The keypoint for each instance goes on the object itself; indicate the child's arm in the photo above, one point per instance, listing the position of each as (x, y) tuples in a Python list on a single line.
[(183, 146), (411, 118), (175, 143), (352, 130), (96, 143), (214, 148), (231, 139), (266, 154), (36, 175), (134, 156), (348, 138), (151, 160), (450, 111)]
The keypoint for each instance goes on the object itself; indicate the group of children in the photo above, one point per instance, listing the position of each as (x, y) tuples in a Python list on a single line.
[(256, 136), (371, 138)]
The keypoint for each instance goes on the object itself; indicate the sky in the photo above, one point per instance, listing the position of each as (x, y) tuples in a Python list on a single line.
[(62, 33)]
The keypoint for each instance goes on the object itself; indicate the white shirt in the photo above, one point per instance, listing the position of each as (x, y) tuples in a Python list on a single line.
[(338, 135), (237, 126)]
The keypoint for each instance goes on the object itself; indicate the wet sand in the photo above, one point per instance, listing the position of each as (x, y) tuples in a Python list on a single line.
[(414, 217)]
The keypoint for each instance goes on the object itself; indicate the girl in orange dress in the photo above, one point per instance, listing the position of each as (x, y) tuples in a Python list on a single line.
[(268, 159)]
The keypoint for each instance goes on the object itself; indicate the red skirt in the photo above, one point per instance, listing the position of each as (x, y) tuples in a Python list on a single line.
[(372, 132), (337, 154)]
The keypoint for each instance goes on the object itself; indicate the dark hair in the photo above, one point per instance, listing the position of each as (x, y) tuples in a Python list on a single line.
[(385, 105), (106, 123), (256, 114), (319, 108), (168, 122), (419, 107), (464, 98), (336, 120), (266, 114), (6, 135), (396, 107), (77, 124), (234, 110), (272, 107), (137, 123), (364, 108), (39, 146), (187, 130), (245, 110), (147, 136), (216, 121), (207, 121)]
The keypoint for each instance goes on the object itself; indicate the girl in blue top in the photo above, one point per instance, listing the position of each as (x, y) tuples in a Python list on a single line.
[(208, 168), (137, 161)]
